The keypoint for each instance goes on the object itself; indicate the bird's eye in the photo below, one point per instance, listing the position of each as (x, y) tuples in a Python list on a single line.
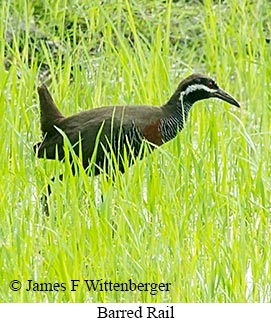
[(211, 84)]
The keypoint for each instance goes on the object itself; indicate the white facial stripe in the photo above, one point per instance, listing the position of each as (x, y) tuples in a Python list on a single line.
[(195, 87)]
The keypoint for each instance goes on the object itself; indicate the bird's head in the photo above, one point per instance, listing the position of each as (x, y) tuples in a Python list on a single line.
[(199, 87)]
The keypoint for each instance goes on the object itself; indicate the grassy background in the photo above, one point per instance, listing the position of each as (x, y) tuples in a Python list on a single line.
[(196, 213)]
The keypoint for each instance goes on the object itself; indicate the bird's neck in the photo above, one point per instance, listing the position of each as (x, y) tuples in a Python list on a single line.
[(176, 116)]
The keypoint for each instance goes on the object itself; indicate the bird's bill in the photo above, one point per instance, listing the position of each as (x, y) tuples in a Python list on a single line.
[(223, 95)]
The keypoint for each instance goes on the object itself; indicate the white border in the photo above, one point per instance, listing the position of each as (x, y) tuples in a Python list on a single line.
[(200, 313)]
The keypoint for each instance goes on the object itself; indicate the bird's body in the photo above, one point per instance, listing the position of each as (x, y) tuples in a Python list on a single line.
[(114, 129), (119, 127)]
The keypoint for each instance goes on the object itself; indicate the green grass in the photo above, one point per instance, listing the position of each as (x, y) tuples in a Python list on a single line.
[(196, 212)]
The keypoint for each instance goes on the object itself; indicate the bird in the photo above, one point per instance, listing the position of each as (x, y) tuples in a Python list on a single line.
[(98, 133)]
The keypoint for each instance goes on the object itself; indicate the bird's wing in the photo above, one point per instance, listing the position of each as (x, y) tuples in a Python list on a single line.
[(107, 122)]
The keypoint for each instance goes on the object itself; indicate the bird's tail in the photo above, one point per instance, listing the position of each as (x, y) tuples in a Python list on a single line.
[(49, 113)]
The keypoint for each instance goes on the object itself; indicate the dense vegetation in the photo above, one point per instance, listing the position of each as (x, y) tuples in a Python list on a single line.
[(196, 213)]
